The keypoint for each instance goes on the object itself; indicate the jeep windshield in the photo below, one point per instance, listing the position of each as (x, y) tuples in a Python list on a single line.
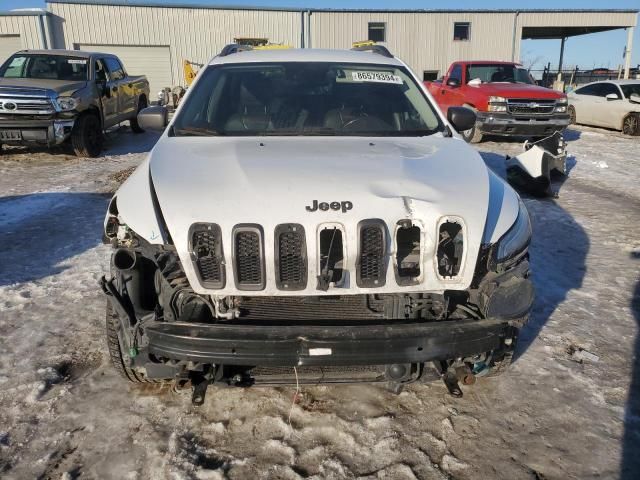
[(498, 73), (45, 67), (308, 99)]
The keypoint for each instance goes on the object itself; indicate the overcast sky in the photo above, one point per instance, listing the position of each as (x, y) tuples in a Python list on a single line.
[(587, 51)]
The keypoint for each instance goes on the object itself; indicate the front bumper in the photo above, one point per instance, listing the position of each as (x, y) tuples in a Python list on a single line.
[(49, 132), (505, 124), (339, 345)]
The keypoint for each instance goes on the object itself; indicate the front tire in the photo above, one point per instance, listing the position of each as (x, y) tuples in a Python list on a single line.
[(472, 135), (631, 124), (86, 138), (115, 350), (572, 115), (135, 126)]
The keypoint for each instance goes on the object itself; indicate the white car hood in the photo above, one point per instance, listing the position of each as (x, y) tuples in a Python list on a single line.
[(271, 180)]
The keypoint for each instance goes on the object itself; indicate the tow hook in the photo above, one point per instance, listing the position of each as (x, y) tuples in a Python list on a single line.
[(451, 382), (200, 382), (465, 375)]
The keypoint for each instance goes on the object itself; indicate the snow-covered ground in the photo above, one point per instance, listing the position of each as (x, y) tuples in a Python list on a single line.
[(64, 412)]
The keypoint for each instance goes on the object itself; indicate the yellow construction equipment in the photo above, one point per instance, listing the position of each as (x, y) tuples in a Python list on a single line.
[(363, 43), (189, 72)]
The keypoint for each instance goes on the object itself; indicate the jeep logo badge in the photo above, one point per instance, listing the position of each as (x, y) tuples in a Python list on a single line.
[(345, 206), (9, 106)]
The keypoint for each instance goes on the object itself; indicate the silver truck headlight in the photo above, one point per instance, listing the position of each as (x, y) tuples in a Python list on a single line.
[(517, 239), (64, 104), (497, 104)]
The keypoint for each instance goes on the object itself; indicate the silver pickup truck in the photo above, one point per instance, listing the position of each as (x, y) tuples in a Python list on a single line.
[(48, 97)]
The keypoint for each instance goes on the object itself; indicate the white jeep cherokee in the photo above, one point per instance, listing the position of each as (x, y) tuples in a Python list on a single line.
[(310, 214)]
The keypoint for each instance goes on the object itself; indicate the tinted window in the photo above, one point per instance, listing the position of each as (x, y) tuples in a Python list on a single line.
[(319, 98), (376, 31), (101, 73), (430, 75), (51, 67), (608, 88), (593, 89), (115, 68), (461, 30), (456, 73), (630, 89)]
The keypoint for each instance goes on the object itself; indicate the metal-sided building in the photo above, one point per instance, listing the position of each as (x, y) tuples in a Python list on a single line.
[(155, 38)]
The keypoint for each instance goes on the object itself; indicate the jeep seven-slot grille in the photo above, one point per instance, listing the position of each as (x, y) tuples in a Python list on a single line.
[(371, 259), (248, 258), (291, 257), (206, 248)]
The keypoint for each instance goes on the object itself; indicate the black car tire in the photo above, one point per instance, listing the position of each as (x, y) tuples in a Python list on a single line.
[(115, 350), (135, 126), (472, 135), (86, 137), (631, 124)]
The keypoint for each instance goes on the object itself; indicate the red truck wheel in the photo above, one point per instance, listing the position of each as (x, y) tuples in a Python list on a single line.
[(472, 135)]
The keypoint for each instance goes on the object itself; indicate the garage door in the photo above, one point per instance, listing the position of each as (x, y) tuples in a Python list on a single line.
[(154, 62), (9, 44)]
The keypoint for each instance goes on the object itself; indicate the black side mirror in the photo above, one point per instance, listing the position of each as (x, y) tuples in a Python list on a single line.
[(453, 82), (154, 118), (462, 118)]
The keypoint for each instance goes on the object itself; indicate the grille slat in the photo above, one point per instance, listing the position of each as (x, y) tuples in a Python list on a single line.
[(371, 268), (248, 258), (206, 249), (291, 257), (531, 106)]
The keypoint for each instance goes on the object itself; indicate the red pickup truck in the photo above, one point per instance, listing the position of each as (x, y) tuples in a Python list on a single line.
[(504, 97)]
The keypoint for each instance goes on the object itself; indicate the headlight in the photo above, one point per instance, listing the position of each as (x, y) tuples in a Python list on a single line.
[(562, 101), (517, 239), (65, 104), (561, 105), (561, 108), (497, 104)]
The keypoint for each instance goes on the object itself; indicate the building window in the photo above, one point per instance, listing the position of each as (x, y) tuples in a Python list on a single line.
[(430, 75), (461, 31), (376, 31)]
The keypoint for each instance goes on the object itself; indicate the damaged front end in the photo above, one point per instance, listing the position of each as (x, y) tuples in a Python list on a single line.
[(532, 170), (167, 331)]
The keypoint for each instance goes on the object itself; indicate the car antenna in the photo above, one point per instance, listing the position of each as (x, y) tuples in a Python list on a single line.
[(324, 279)]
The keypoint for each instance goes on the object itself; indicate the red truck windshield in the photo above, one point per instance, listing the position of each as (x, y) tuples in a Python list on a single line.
[(499, 72)]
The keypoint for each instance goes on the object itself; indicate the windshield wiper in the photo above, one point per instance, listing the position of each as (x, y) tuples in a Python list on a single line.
[(196, 132)]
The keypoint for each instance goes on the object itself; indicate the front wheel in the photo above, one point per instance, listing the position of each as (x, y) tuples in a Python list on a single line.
[(472, 135), (118, 359), (631, 124), (572, 115), (86, 137), (135, 126)]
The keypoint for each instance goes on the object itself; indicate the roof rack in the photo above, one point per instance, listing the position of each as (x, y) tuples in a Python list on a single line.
[(234, 48), (369, 46)]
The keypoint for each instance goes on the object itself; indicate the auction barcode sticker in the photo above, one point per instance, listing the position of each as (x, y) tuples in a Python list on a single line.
[(378, 77), (73, 61)]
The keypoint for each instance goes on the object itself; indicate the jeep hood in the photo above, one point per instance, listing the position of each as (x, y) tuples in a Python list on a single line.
[(271, 180), (517, 90), (41, 86)]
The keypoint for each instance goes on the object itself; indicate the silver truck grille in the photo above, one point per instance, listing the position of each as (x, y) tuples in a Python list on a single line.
[(291, 257), (522, 106), (28, 106)]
